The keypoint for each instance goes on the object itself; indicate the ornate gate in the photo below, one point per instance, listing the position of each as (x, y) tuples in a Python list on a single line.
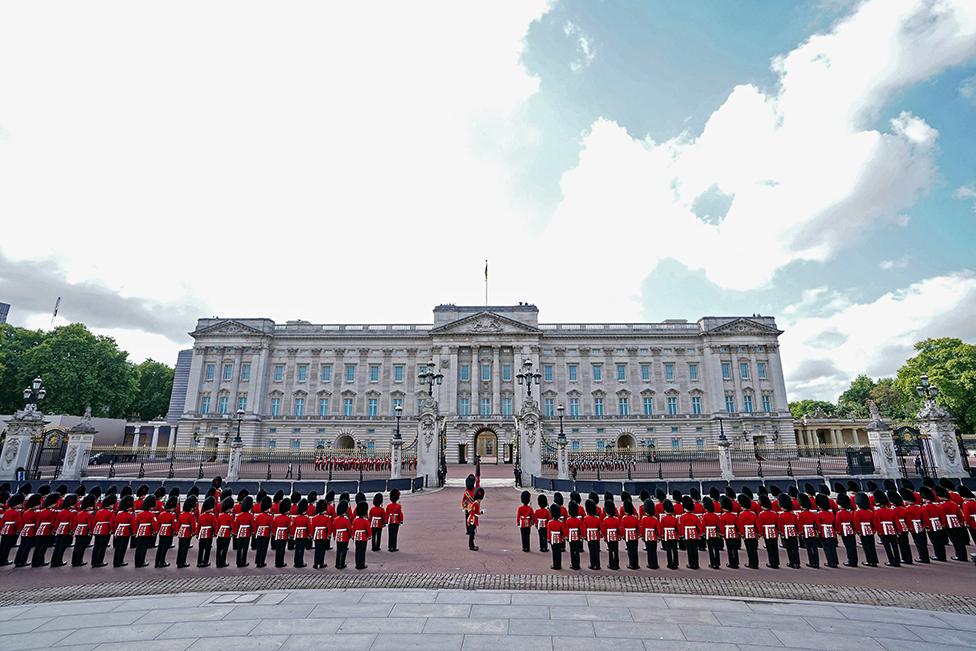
[(910, 443), (47, 455)]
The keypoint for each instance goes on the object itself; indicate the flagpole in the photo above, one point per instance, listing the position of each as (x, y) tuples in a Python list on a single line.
[(486, 283)]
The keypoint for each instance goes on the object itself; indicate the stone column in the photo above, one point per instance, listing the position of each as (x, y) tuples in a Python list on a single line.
[(234, 461), (80, 440), (725, 459), (428, 443), (939, 428), (475, 407), (22, 429), (530, 441), (883, 449), (396, 457), (562, 461), (496, 380)]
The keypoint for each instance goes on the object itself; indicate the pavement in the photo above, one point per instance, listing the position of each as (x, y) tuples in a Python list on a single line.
[(459, 620)]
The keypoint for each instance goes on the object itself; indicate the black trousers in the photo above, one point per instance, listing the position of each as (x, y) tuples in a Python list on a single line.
[(261, 550), (633, 555), (142, 547), (6, 544), (78, 552), (377, 538), (671, 549), (41, 544), (593, 546), (241, 546), (714, 546), (182, 551), (922, 545), (361, 554), (301, 544), (61, 544), (792, 546), (342, 548), (557, 556), (772, 552), (280, 547), (752, 553), (691, 546), (391, 537), (890, 544), (850, 547), (223, 544), (121, 546), (937, 538), (732, 546), (870, 550), (472, 531), (650, 547), (960, 539), (525, 532), (830, 551), (613, 555), (575, 551), (543, 541), (162, 549), (905, 549), (320, 549), (203, 552), (812, 546), (24, 550), (98, 551)]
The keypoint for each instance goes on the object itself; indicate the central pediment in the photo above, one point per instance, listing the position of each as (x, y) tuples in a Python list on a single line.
[(485, 323)]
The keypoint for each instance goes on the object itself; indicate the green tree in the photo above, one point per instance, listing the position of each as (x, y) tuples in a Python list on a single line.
[(853, 403), (892, 402), (951, 366), (155, 386), (14, 375), (802, 408), (81, 369)]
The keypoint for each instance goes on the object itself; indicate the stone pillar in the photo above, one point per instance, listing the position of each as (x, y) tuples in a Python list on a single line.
[(234, 461), (396, 457), (22, 429), (135, 438), (496, 381), (938, 431), (725, 459), (428, 442), (155, 438), (563, 461), (530, 441), (883, 449)]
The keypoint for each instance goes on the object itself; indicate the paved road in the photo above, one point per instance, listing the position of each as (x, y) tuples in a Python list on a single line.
[(442, 619), (433, 541)]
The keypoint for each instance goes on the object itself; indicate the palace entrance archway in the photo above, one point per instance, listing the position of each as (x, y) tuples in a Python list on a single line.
[(486, 446), (345, 443), (626, 443)]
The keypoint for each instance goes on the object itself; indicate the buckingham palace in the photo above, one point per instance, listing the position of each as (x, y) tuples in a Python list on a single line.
[(619, 386)]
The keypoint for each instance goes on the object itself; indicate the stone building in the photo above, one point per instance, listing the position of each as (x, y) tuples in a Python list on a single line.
[(624, 386)]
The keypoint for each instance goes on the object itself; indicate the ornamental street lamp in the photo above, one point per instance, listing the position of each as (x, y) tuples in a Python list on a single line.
[(562, 464), (527, 377), (240, 418), (34, 392), (925, 390), (398, 412), (429, 377), (562, 433)]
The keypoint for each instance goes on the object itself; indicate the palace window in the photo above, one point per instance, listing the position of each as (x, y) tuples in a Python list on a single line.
[(228, 372), (574, 410), (598, 406), (303, 372), (347, 406), (350, 372), (547, 372), (398, 373), (275, 407), (550, 404), (767, 407), (744, 370), (700, 443), (210, 372), (506, 372), (747, 402), (463, 407), (486, 406), (573, 371), (279, 372), (222, 403), (242, 402), (299, 406), (726, 370), (693, 372), (420, 405), (326, 375), (374, 373), (372, 407), (621, 372), (506, 406), (576, 445), (245, 372), (623, 406), (486, 372), (696, 405), (669, 371), (465, 372), (730, 403), (323, 406), (761, 370), (646, 372), (648, 406), (675, 443), (597, 372), (205, 405), (672, 405), (601, 445)]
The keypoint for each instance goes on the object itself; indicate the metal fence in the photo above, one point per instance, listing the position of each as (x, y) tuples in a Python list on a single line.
[(183, 462), (270, 463), (806, 462), (666, 464)]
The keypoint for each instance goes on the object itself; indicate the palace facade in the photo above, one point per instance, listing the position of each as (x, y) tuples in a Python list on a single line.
[(623, 386)]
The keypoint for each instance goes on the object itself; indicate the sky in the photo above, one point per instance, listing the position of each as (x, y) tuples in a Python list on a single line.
[(625, 161)]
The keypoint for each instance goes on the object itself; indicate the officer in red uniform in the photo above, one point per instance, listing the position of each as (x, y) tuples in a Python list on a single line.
[(934, 521), (768, 522), (629, 525), (952, 514), (574, 535), (361, 532), (330, 512), (712, 524), (225, 530), (165, 528), (301, 532), (377, 518), (122, 530), (886, 524), (541, 520), (280, 527), (467, 498), (102, 529), (81, 529), (690, 530), (864, 526), (610, 528), (668, 533), (556, 534), (44, 536), (592, 533), (825, 529), (474, 518), (320, 533), (145, 529), (10, 530), (186, 526), (647, 529), (342, 531), (747, 523), (728, 525), (206, 529), (63, 530), (242, 529), (807, 521), (969, 510), (394, 519), (789, 530), (523, 520)]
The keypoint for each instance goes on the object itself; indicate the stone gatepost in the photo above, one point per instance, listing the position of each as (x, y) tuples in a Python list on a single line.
[(937, 429), (882, 445), (563, 459), (725, 458), (396, 457), (80, 440), (23, 429), (530, 440), (428, 441), (234, 460)]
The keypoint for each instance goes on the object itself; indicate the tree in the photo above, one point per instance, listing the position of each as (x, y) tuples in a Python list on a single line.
[(951, 366), (14, 375), (802, 408), (81, 369), (853, 403), (892, 403), (155, 386)]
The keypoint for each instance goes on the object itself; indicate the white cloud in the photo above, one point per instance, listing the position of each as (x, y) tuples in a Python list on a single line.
[(806, 170), (899, 263), (967, 89), (585, 51), (875, 337)]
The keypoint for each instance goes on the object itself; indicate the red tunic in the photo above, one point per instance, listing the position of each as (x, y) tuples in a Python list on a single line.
[(844, 523), (747, 522), (225, 525), (62, 522), (81, 523), (556, 531), (667, 527), (281, 526), (574, 529), (186, 525), (628, 527), (301, 527), (711, 523), (592, 528), (523, 516), (377, 517), (102, 522), (145, 524), (864, 522), (769, 524), (690, 527), (243, 523), (12, 521), (648, 528), (45, 522), (610, 527), (361, 529), (787, 522), (166, 521), (122, 524), (807, 521), (541, 517), (206, 526), (394, 513), (969, 511), (320, 526), (341, 528), (729, 525), (825, 524), (952, 514)]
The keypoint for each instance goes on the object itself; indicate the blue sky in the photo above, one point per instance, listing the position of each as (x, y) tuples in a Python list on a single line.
[(615, 162)]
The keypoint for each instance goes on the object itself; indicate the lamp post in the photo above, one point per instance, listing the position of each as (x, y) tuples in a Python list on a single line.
[(34, 393), (428, 376), (240, 418), (724, 452), (398, 412), (527, 377), (396, 459), (561, 447)]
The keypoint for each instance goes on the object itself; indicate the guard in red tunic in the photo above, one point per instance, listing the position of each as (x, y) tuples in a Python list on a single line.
[(556, 534), (629, 526), (747, 523), (10, 530), (864, 526), (592, 533), (647, 529), (768, 521), (102, 530), (225, 531), (377, 519), (145, 529), (81, 528), (166, 529), (320, 533), (63, 531), (915, 519), (330, 512), (301, 532), (789, 530), (467, 498), (280, 527), (394, 519), (541, 520), (610, 528), (668, 533), (122, 530), (934, 522), (474, 517), (574, 535), (342, 532), (186, 526), (523, 520), (206, 529), (886, 524), (690, 530), (728, 527), (361, 533), (955, 527), (969, 510), (807, 521), (243, 529), (44, 536), (712, 524), (825, 529)]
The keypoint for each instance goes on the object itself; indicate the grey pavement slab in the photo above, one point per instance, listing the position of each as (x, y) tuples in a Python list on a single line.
[(21, 625), (290, 627), (764, 620), (389, 642), (637, 630), (729, 634), (508, 643), (677, 616), (525, 611), (475, 597), (399, 597), (826, 641), (225, 628), (941, 636), (291, 611), (906, 645), (431, 610), (350, 610), (894, 615), (255, 643), (868, 629), (182, 602), (354, 642), (173, 616), (588, 644), (145, 645), (699, 603), (380, 624), (790, 609), (567, 628), (625, 601), (449, 625), (33, 640), (130, 633), (548, 599), (324, 597), (92, 619)]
